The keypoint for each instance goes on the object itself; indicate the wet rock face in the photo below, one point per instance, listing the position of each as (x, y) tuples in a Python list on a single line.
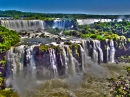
[(123, 52), (104, 49), (42, 62), (41, 58), (76, 52), (122, 55), (60, 63)]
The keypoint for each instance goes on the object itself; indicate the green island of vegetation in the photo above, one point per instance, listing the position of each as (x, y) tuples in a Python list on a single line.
[(8, 38), (102, 30)]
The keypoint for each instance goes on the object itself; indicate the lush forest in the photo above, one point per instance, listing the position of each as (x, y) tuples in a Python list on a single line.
[(100, 30), (19, 14), (8, 38), (120, 28)]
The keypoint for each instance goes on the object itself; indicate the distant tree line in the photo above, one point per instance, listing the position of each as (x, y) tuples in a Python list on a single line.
[(18, 14)]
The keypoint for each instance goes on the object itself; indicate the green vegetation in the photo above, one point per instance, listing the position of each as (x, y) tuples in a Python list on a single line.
[(7, 93), (44, 47), (2, 62), (8, 38), (18, 14), (97, 35), (67, 43), (72, 33), (39, 17), (119, 28), (75, 46), (102, 31), (120, 87)]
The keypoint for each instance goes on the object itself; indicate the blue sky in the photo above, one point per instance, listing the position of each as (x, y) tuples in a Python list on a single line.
[(69, 6)]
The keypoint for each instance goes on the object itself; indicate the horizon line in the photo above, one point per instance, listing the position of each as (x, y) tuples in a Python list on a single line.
[(61, 12)]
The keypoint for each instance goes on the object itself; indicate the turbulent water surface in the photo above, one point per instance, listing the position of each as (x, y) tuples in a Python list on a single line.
[(92, 83)]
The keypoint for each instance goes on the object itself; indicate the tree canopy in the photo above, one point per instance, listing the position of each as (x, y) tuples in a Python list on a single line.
[(8, 38)]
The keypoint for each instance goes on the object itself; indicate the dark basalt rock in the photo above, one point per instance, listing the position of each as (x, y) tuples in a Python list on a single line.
[(3, 70)]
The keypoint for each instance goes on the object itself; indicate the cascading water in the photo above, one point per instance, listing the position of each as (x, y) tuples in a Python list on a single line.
[(59, 24), (24, 55), (108, 50), (95, 53), (83, 57), (20, 57), (15, 58), (26, 25), (100, 54), (14, 63), (91, 21), (70, 65), (65, 59), (53, 61), (112, 51), (62, 24)]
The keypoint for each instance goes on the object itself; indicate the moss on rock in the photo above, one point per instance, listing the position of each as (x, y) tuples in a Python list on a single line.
[(43, 47)]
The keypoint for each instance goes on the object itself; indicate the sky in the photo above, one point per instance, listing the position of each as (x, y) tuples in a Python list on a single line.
[(68, 6)]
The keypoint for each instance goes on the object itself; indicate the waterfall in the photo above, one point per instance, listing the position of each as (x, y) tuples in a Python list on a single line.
[(73, 69), (14, 63), (53, 61), (82, 57), (84, 44), (15, 58), (112, 51), (65, 58), (108, 50), (20, 57), (26, 25), (30, 57), (71, 65), (59, 24), (95, 53), (62, 24), (91, 21), (98, 46)]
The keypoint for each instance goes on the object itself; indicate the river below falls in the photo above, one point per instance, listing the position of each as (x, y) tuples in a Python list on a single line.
[(91, 83)]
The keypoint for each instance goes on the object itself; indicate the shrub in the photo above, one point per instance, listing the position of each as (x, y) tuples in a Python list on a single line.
[(120, 87)]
